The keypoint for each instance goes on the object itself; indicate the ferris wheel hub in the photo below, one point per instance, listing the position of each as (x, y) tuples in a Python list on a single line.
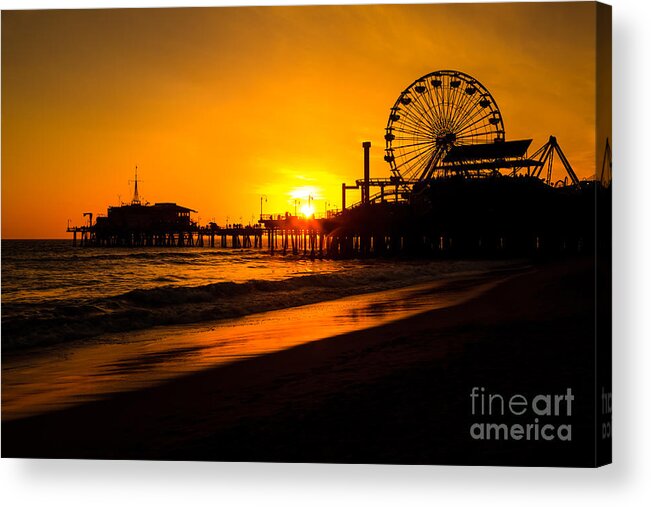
[(446, 138)]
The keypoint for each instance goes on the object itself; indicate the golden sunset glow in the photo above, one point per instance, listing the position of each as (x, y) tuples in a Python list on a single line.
[(307, 210), (218, 107)]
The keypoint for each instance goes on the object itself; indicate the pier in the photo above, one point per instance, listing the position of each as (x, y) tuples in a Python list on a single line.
[(478, 213), (456, 188), (192, 236)]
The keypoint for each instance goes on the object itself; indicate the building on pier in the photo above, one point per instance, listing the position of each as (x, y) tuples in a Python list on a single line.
[(160, 216), (138, 224)]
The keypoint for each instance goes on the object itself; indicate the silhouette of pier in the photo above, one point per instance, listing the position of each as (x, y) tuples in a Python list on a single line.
[(457, 188), (464, 213)]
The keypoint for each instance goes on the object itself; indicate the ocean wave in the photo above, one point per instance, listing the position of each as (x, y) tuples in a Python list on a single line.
[(137, 309), (90, 256)]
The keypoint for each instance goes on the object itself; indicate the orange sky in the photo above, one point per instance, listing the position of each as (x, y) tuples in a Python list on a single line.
[(218, 106)]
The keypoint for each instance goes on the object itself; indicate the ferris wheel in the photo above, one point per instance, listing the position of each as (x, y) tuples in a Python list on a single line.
[(440, 110)]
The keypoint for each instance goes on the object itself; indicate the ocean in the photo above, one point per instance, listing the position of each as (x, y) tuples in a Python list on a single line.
[(53, 292), (82, 323)]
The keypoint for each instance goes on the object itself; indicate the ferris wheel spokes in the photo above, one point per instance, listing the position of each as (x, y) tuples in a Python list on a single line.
[(436, 112)]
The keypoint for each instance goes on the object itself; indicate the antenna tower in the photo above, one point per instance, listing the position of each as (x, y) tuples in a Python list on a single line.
[(136, 197)]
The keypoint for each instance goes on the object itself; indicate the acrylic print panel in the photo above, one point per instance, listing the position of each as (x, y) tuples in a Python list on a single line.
[(348, 234)]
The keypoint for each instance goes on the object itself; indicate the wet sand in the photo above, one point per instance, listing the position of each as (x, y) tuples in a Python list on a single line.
[(396, 393), (38, 381)]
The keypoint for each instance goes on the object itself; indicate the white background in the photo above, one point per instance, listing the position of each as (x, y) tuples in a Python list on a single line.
[(626, 482)]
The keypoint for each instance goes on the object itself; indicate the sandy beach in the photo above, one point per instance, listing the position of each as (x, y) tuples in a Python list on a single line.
[(397, 393)]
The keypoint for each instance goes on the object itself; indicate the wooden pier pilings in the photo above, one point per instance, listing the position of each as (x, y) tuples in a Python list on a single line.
[(227, 237), (336, 238)]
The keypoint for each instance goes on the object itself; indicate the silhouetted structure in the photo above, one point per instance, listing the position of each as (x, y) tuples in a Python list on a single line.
[(457, 187), (138, 225), (163, 224)]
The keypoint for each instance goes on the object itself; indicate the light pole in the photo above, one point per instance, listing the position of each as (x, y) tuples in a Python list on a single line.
[(265, 200), (296, 203), (325, 205)]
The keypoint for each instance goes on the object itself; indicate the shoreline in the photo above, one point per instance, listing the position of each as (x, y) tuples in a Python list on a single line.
[(390, 394), (169, 305), (55, 378)]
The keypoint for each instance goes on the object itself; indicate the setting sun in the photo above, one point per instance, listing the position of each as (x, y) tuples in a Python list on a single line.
[(307, 210)]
